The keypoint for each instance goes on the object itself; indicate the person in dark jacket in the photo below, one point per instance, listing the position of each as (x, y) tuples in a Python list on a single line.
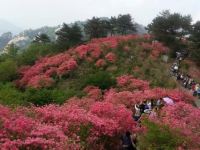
[(127, 142), (142, 107)]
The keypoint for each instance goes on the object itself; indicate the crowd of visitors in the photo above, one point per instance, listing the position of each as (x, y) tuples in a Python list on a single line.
[(151, 108), (186, 80)]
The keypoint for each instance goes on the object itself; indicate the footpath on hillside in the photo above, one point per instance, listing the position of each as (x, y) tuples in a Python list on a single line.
[(185, 81)]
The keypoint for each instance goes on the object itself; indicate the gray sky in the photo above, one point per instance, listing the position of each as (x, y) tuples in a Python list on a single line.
[(37, 13)]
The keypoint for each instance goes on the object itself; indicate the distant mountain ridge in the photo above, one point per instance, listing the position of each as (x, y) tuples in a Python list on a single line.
[(24, 38), (5, 38), (6, 26)]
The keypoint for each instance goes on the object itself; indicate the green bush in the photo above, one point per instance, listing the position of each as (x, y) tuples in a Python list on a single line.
[(102, 79), (84, 133), (60, 96), (159, 137), (35, 51), (8, 70), (10, 96), (47, 96), (38, 96)]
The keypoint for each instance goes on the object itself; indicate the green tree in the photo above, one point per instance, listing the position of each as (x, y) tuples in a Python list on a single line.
[(113, 26), (195, 33), (96, 27), (12, 50), (170, 28), (69, 36), (41, 38), (195, 38), (63, 36), (125, 24), (75, 35)]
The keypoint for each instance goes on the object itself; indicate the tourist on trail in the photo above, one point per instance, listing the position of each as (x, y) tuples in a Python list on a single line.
[(178, 55), (159, 103), (127, 143), (190, 81), (193, 88), (153, 103), (198, 90), (148, 107), (137, 114), (154, 113), (185, 81), (142, 107), (149, 104), (178, 76), (176, 68), (182, 76)]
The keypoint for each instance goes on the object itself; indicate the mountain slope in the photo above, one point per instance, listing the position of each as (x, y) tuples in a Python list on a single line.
[(107, 78)]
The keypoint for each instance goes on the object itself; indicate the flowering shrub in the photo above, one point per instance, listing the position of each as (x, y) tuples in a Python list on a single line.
[(93, 92), (156, 48), (126, 48), (111, 57), (100, 63), (129, 82), (40, 74), (186, 119)]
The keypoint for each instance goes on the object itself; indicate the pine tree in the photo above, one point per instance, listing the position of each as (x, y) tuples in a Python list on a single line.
[(69, 36), (96, 28), (125, 24), (41, 38)]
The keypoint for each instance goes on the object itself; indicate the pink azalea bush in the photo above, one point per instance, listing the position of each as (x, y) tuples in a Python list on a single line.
[(100, 63), (97, 51), (111, 57), (93, 92), (41, 74), (186, 119), (131, 83), (156, 48)]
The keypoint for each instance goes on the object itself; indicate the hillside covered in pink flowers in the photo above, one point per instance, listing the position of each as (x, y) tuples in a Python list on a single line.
[(102, 82)]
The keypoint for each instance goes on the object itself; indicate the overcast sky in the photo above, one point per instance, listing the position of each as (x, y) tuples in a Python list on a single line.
[(37, 13)]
